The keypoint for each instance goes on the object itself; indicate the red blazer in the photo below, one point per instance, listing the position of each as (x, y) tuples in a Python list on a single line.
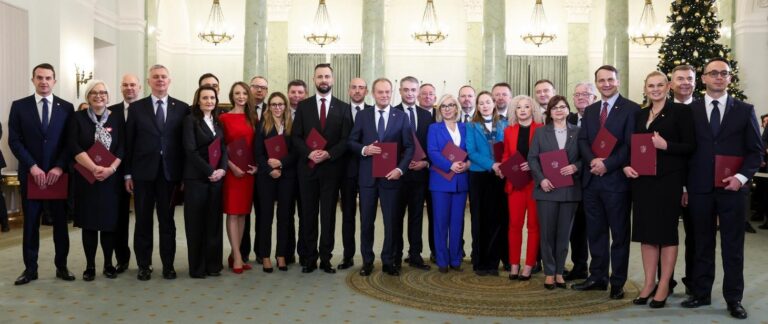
[(510, 146)]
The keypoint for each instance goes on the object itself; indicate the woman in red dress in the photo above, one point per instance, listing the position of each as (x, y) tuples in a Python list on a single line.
[(239, 123)]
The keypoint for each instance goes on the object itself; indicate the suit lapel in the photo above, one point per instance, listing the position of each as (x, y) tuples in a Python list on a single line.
[(390, 123), (729, 106)]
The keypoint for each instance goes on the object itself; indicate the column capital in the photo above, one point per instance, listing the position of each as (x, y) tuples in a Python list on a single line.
[(578, 10), (474, 10), (278, 10)]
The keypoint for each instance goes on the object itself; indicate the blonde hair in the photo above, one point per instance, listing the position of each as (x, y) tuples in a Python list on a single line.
[(650, 75), (92, 84), (512, 109), (444, 98)]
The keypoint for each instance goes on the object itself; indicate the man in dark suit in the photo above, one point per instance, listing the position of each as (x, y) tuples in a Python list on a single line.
[(297, 91), (130, 88), (319, 181), (427, 100), (606, 188), (415, 181), (154, 162), (259, 91), (725, 126), (349, 183), (383, 124), (761, 192), (583, 97), (36, 130)]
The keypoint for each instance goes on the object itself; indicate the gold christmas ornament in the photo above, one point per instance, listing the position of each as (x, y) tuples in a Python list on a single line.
[(690, 29), (678, 18), (697, 15), (696, 54), (702, 40), (677, 62), (686, 9)]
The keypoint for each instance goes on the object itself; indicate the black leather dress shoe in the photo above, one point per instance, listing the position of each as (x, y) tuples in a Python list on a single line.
[(390, 270), (110, 272), (25, 278), (309, 267), (144, 274), (89, 274), (696, 302), (763, 226), (327, 267), (214, 274), (571, 276), (749, 229), (617, 292), (590, 285), (737, 311), (366, 270), (169, 274), (346, 264), (419, 265), (121, 267), (64, 274)]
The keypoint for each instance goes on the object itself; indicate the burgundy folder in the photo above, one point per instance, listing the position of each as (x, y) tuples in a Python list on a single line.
[(726, 166), (276, 147), (57, 191), (100, 155), (453, 153), (498, 151), (314, 141), (418, 151), (240, 154), (87, 174), (643, 157), (603, 144), (386, 161), (214, 152), (177, 196), (551, 163), (512, 171)]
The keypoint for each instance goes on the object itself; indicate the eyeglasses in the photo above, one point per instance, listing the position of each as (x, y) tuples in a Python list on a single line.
[(563, 107), (277, 105), (582, 94), (258, 87), (450, 105), (98, 93), (715, 73)]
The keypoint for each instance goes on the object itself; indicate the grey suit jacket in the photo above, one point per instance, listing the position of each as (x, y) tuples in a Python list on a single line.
[(544, 140)]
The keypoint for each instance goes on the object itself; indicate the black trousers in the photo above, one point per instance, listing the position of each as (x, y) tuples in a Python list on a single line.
[(295, 243), (120, 235), (488, 207), (203, 224), (150, 197), (412, 196), (430, 227), (3, 211), (579, 245), (319, 197), (349, 190), (608, 230), (91, 242), (245, 243), (387, 198), (280, 190), (33, 210)]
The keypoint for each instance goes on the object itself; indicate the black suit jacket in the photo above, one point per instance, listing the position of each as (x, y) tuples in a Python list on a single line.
[(288, 170), (352, 158), (197, 138), (739, 135), (145, 140), (675, 124), (117, 110), (423, 120), (338, 123), (30, 144), (573, 119)]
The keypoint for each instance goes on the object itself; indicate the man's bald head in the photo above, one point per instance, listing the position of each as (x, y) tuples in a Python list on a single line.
[(130, 87)]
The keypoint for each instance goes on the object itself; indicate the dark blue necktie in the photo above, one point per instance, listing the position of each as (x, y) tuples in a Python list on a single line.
[(357, 110), (412, 117), (160, 115), (45, 115), (381, 128), (714, 118)]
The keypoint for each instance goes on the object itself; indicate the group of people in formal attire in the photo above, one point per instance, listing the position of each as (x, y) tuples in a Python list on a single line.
[(278, 153)]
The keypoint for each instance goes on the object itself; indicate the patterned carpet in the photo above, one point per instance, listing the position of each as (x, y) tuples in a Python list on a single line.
[(468, 294)]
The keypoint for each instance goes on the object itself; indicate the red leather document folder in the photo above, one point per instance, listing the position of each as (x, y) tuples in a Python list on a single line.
[(551, 163), (57, 191), (315, 141), (726, 166), (603, 144), (214, 152), (87, 175), (100, 155), (511, 169), (453, 153), (418, 151), (643, 157), (240, 154), (386, 161), (276, 147), (498, 151)]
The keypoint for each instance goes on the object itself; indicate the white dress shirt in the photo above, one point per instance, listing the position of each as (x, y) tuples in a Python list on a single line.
[(455, 135), (353, 105), (39, 102), (327, 103)]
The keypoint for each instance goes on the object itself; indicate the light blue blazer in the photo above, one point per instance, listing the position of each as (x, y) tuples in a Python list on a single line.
[(480, 153)]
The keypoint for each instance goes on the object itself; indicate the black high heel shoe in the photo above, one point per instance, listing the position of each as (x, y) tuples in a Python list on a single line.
[(514, 276), (89, 274), (641, 300), (561, 285), (524, 278), (549, 286), (657, 303)]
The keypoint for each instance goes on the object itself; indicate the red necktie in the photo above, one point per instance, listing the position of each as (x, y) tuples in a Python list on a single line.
[(604, 114), (322, 113)]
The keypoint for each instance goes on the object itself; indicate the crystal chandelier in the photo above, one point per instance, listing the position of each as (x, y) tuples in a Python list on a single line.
[(647, 32), (322, 32), (430, 31), (215, 32), (539, 31)]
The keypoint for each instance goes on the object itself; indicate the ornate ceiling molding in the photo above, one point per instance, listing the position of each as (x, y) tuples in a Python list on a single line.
[(578, 10), (278, 10)]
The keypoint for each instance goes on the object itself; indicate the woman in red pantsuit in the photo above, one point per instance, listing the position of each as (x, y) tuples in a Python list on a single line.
[(517, 138), (237, 197)]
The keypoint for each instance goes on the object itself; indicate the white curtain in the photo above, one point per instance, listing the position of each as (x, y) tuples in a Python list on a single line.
[(14, 67), (524, 71)]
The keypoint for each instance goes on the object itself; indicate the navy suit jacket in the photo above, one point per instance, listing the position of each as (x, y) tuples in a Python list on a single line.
[(423, 120), (739, 135), (437, 138), (353, 157), (621, 123), (364, 133), (30, 144), (145, 141)]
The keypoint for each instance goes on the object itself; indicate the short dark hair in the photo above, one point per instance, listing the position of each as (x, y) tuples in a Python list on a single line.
[(502, 84), (552, 103), (297, 83), (608, 67), (763, 116), (544, 81), (45, 66), (715, 59), (323, 65), (409, 79), (683, 67), (205, 76)]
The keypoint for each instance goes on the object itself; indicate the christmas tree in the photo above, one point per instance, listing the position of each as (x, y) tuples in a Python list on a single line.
[(693, 40)]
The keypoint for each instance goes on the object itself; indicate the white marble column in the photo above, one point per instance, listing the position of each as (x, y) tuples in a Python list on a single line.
[(474, 41), (616, 45), (578, 44), (372, 50), (255, 56), (751, 38), (494, 43)]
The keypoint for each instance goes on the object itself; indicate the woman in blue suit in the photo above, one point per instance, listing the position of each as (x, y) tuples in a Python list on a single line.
[(448, 196), (487, 201)]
